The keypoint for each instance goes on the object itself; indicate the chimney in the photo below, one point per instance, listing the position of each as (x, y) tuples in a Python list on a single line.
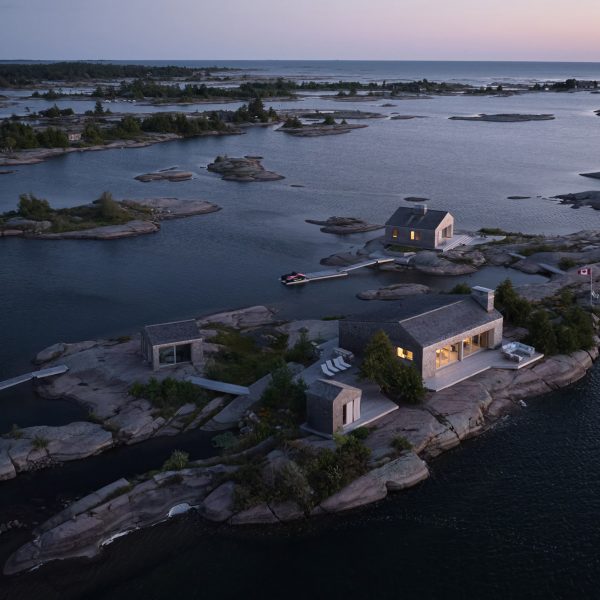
[(483, 296), (420, 209)]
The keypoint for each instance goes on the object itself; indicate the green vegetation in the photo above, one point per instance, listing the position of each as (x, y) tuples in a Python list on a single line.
[(19, 74), (308, 478), (401, 444), (18, 136), (566, 263), (293, 123), (515, 308), (302, 351), (242, 361), (181, 124), (566, 85), (254, 112), (39, 443), (55, 112), (461, 288), (563, 328), (398, 381), (284, 398), (168, 395), (328, 120), (177, 461), (103, 211)]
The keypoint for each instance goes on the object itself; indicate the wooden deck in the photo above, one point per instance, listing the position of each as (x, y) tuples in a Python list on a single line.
[(473, 365), (41, 374), (343, 271)]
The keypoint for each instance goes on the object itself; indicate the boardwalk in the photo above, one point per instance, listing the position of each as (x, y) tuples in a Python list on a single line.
[(343, 271), (8, 383)]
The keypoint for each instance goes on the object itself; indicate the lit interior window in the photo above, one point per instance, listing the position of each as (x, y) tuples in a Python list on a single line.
[(395, 233), (406, 354), (415, 235)]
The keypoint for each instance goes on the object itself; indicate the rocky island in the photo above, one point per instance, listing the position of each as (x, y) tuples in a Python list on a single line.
[(505, 118), (171, 174), (245, 169), (577, 200), (103, 219), (344, 225)]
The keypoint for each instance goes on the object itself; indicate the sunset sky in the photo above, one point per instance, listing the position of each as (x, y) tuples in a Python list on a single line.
[(305, 29)]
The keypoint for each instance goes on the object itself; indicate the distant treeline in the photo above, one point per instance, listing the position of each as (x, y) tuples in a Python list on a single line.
[(567, 84), (15, 74), (148, 88)]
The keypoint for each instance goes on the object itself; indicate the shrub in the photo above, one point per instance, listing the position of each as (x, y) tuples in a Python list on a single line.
[(461, 288), (31, 207), (401, 444), (169, 394), (303, 351), (224, 441), (566, 263), (360, 433), (515, 308), (542, 334), (39, 442), (177, 461), (283, 392), (398, 381), (15, 432)]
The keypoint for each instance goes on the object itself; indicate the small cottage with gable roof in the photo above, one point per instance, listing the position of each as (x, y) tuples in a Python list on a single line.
[(419, 227)]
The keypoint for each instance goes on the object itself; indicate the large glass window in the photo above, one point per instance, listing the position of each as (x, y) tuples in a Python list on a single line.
[(395, 233), (446, 355), (170, 355), (415, 235)]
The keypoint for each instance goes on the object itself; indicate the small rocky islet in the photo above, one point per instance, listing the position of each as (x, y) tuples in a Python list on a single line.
[(244, 169), (173, 175), (505, 118), (344, 225)]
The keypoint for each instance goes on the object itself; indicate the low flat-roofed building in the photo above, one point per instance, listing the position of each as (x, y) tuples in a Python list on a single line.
[(331, 406), (168, 344)]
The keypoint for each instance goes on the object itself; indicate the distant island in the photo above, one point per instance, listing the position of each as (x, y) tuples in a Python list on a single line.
[(505, 118), (103, 219)]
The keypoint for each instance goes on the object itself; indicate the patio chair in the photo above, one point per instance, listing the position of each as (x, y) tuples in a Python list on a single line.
[(326, 371), (340, 364), (332, 367)]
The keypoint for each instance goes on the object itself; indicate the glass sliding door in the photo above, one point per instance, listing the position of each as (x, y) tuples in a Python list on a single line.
[(447, 355)]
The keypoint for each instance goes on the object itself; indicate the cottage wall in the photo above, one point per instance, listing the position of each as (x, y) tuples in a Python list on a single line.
[(428, 356), (197, 353)]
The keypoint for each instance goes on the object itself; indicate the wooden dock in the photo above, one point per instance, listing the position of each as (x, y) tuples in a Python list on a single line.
[(51, 371), (343, 271)]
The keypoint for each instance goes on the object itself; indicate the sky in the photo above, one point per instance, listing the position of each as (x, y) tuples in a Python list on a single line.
[(544, 30)]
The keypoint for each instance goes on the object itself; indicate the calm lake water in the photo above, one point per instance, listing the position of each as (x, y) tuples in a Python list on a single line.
[(512, 514)]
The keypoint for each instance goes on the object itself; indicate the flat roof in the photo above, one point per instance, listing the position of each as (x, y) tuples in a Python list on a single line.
[(170, 333)]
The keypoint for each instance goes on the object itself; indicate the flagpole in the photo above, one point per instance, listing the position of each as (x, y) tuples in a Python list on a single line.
[(591, 289)]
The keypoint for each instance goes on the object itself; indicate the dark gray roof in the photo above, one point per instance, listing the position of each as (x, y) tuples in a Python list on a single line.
[(430, 318), (169, 333), (329, 390), (407, 216)]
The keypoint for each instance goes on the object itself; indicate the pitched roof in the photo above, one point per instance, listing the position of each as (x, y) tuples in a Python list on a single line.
[(431, 318), (330, 390), (170, 333), (407, 216)]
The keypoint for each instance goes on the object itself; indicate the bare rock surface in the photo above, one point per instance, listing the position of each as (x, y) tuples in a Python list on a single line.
[(394, 292), (167, 175), (431, 263), (218, 505), (579, 199), (253, 316)]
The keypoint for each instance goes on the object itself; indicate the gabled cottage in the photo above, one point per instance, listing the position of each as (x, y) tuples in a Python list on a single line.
[(420, 227), (169, 344), (430, 331)]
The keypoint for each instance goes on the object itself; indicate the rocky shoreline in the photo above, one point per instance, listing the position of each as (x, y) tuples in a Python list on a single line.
[(39, 155), (445, 420)]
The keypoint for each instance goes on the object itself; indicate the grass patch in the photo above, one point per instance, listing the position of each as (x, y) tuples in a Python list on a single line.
[(39, 443), (177, 461)]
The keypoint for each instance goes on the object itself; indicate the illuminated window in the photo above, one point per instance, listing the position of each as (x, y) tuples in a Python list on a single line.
[(406, 354), (395, 234), (415, 235)]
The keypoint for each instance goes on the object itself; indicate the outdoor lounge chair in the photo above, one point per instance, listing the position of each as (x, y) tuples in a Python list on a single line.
[(340, 364), (332, 367), (326, 371)]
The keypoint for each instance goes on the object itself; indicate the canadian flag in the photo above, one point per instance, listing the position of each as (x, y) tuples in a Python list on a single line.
[(584, 271)]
